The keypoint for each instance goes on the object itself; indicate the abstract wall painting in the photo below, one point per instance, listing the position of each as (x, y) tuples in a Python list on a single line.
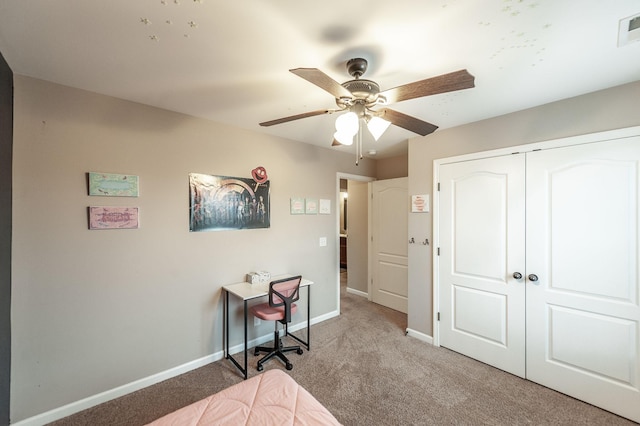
[(113, 217), (219, 203)]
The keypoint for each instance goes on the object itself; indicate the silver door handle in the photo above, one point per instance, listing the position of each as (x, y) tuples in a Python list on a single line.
[(517, 275), (533, 277)]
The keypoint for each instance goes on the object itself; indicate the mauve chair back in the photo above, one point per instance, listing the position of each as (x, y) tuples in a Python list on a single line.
[(283, 293)]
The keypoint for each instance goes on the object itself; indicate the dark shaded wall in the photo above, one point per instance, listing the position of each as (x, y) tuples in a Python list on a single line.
[(6, 144)]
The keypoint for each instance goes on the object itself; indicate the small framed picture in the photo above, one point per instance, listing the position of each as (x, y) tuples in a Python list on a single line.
[(325, 206), (113, 185), (420, 203), (297, 205), (311, 205), (113, 218)]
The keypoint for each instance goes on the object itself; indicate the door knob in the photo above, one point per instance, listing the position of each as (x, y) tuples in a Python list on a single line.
[(533, 277), (517, 275)]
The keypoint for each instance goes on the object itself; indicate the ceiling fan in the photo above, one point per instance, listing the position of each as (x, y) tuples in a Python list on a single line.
[(361, 97)]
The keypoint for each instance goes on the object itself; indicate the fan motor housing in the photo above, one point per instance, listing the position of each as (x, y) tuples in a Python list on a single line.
[(364, 90)]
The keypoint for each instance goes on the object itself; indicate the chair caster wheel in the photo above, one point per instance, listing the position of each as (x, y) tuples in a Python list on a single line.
[(299, 351), (260, 367), (289, 366)]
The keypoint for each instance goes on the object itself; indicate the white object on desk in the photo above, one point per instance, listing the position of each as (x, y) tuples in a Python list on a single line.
[(265, 276), (258, 277)]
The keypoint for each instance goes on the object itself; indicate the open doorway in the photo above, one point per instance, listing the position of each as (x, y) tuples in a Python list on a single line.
[(352, 230)]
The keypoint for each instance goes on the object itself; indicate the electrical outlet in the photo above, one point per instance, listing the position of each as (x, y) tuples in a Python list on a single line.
[(323, 241), (256, 321)]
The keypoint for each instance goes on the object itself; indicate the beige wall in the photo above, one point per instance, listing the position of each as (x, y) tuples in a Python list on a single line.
[(604, 110), (94, 310), (393, 167)]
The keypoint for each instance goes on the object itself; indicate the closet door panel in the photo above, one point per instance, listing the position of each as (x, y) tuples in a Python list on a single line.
[(481, 240), (583, 310)]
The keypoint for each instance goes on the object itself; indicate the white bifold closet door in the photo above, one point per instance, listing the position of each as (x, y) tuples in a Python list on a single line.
[(583, 312), (543, 281), (482, 235)]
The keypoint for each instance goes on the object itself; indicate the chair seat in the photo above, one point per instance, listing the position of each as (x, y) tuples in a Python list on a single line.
[(267, 313)]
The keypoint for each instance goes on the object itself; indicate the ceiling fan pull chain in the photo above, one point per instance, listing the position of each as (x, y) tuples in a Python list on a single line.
[(359, 142), (360, 137)]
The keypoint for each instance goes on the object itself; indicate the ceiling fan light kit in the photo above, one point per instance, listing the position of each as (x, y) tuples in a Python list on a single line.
[(358, 98), (346, 128), (377, 126)]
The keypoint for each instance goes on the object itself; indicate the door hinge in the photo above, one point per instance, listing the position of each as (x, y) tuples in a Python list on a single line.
[(438, 186), (438, 251), (438, 316)]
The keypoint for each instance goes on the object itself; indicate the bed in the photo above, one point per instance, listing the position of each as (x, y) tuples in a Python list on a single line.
[(271, 398)]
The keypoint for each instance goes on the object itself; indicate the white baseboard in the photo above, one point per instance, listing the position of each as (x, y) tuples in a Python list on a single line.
[(92, 401), (420, 336), (319, 319), (357, 292), (83, 404)]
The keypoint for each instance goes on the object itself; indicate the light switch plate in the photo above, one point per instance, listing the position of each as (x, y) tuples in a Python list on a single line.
[(323, 241)]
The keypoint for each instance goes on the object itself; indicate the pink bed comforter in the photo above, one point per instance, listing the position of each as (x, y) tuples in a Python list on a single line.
[(272, 398)]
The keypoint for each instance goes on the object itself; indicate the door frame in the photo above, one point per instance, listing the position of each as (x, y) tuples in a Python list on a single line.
[(534, 146), (347, 176)]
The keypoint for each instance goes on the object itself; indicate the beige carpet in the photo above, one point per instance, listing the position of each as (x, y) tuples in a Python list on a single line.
[(367, 372)]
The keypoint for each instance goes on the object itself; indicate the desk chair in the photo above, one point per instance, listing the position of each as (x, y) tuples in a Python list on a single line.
[(282, 294)]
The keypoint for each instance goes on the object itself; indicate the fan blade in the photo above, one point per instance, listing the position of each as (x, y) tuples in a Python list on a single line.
[(296, 117), (323, 81), (457, 80), (407, 122)]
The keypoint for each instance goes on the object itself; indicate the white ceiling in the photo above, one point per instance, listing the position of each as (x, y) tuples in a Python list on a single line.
[(228, 61)]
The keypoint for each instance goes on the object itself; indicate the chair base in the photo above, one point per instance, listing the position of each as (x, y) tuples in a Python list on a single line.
[(276, 351)]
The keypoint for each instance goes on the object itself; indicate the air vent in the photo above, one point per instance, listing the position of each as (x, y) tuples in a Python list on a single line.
[(629, 31)]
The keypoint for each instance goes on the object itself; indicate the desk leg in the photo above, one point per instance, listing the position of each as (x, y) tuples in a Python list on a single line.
[(245, 341), (226, 325), (308, 317), (308, 342), (226, 352)]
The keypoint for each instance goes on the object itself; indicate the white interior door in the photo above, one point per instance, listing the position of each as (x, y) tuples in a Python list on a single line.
[(389, 228), (583, 311), (481, 242)]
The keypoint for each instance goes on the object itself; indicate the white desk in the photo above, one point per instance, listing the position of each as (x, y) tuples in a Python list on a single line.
[(245, 292)]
